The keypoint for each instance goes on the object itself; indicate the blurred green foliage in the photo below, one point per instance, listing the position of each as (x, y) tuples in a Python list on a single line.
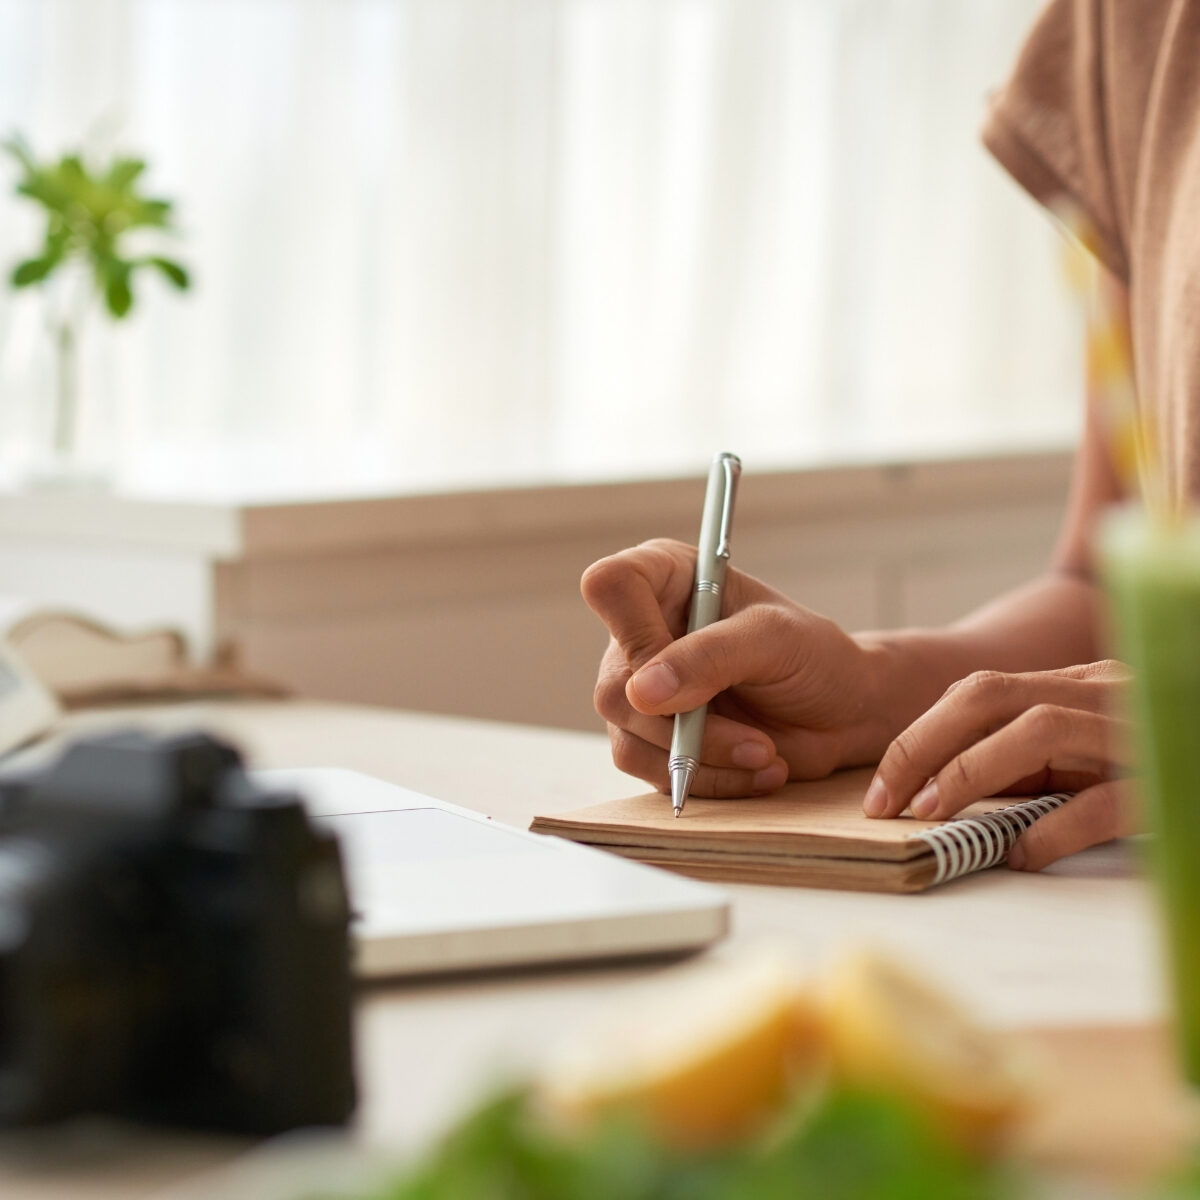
[(89, 215), (853, 1147), (1184, 1184)]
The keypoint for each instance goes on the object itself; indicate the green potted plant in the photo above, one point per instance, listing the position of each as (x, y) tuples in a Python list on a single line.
[(95, 217)]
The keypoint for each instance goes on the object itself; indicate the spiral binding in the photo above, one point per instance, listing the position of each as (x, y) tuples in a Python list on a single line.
[(975, 843)]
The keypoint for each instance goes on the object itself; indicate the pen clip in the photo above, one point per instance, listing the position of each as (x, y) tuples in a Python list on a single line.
[(732, 467)]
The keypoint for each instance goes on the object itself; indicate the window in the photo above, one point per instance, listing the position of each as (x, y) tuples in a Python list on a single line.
[(446, 242)]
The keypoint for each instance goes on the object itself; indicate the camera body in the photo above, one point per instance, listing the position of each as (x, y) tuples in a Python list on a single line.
[(174, 944)]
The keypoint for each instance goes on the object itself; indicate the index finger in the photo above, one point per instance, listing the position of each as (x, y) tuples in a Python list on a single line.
[(970, 711), (641, 595)]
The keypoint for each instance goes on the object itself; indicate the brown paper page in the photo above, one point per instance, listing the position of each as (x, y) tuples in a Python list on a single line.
[(820, 817)]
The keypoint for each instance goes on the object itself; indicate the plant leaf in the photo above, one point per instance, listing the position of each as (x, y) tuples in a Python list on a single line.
[(46, 191), (58, 242), (31, 271), (123, 172), (155, 213), (118, 295), (175, 272), (72, 171)]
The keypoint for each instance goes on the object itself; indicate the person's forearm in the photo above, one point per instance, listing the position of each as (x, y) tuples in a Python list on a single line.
[(1049, 623)]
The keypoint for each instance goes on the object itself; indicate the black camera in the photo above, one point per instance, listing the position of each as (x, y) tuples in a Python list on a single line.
[(174, 944)]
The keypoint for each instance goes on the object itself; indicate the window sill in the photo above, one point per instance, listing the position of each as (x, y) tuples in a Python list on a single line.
[(305, 519)]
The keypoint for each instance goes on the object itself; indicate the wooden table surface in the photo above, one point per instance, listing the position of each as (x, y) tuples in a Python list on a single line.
[(1068, 960)]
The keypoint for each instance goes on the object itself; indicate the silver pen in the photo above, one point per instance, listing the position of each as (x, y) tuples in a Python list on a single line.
[(711, 561)]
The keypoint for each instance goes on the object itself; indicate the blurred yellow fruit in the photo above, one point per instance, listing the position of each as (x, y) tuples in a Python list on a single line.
[(890, 1031), (703, 1063)]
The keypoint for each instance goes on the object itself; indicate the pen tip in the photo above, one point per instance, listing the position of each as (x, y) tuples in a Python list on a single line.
[(681, 782)]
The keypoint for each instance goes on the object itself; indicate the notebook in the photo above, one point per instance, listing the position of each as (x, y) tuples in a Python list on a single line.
[(808, 834)]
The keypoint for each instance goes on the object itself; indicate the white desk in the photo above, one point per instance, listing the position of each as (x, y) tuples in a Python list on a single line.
[(1073, 946)]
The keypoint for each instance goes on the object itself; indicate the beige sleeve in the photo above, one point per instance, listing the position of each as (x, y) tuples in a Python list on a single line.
[(1046, 126)]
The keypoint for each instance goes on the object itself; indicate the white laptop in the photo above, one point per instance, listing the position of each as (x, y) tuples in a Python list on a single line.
[(438, 888)]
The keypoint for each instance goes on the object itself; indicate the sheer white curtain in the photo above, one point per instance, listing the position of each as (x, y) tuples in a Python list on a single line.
[(452, 241)]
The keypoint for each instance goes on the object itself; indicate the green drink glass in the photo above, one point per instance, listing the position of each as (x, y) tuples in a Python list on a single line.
[(1151, 573)]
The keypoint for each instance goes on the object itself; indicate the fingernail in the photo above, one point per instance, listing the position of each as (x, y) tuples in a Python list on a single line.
[(875, 802), (768, 779), (656, 683), (751, 755), (1017, 857), (925, 802)]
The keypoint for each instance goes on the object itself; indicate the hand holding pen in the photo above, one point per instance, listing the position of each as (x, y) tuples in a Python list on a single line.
[(786, 692)]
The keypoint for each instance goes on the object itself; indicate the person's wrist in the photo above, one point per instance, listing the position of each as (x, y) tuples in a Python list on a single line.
[(883, 669)]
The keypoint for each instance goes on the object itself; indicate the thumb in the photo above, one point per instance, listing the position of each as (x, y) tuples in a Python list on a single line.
[(694, 668)]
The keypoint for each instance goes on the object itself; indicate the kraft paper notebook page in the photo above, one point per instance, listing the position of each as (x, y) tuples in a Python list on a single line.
[(809, 834)]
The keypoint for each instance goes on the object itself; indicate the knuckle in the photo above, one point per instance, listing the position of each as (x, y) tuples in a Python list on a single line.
[(1047, 722), (1109, 811), (717, 782), (1040, 847), (625, 748), (708, 658), (957, 775), (609, 696), (724, 782), (984, 686), (1078, 671), (903, 755), (637, 648), (763, 623), (1108, 814), (767, 620)]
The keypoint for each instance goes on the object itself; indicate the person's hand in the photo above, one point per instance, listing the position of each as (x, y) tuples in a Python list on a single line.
[(994, 734), (791, 695)]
